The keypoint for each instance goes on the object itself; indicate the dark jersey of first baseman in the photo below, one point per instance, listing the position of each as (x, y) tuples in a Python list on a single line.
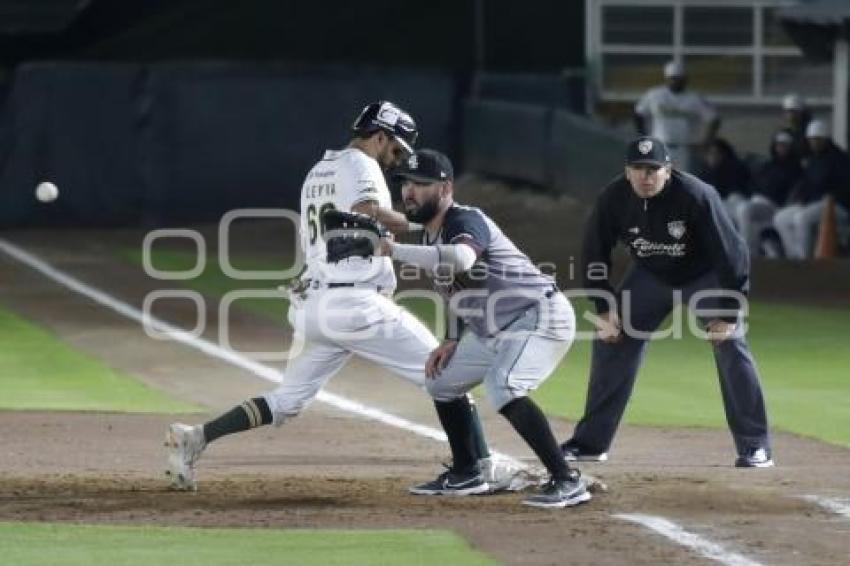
[(501, 285)]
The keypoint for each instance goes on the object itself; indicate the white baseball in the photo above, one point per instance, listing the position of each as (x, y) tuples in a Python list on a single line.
[(46, 191)]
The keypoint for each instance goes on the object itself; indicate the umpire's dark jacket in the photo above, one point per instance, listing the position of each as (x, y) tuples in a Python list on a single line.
[(678, 235)]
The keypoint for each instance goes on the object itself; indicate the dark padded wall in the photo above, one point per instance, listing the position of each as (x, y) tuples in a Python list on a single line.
[(555, 149), (75, 125), (507, 139), (533, 35), (584, 155), (165, 143)]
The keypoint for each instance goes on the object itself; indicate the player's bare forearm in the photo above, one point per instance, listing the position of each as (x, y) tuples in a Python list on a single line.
[(439, 358), (394, 221)]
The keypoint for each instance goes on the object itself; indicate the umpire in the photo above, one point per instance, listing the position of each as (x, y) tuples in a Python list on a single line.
[(683, 242)]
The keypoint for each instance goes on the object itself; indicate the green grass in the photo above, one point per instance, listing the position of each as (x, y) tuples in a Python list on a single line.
[(801, 353), (27, 544), (39, 371), (214, 283)]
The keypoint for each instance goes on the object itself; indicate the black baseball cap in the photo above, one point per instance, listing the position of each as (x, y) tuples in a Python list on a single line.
[(647, 150), (426, 166)]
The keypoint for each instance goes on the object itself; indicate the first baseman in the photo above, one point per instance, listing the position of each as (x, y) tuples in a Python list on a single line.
[(342, 304), (683, 243), (510, 326)]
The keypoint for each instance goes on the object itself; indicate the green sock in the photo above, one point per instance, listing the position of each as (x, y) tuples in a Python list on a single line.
[(250, 414)]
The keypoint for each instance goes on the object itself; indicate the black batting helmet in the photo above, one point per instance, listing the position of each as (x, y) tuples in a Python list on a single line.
[(389, 118)]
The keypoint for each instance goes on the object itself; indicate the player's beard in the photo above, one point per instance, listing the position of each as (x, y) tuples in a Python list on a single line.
[(390, 158), (677, 85), (424, 212)]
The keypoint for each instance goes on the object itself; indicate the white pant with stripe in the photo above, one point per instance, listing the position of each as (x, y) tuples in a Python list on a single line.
[(334, 324)]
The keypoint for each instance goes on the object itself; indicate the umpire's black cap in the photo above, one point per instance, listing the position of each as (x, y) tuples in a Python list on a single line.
[(391, 119), (426, 166), (647, 150)]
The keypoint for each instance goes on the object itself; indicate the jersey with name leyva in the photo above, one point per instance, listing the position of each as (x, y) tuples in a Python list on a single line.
[(341, 180), (501, 285)]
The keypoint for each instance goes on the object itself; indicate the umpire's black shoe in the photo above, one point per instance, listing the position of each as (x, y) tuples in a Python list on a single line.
[(561, 493), (452, 483), (573, 453), (754, 458)]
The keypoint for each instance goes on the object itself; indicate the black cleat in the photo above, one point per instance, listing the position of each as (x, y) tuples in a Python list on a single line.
[(754, 458), (561, 493), (451, 483), (573, 453)]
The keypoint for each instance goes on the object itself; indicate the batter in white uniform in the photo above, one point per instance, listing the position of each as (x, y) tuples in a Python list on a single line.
[(341, 308), (681, 118)]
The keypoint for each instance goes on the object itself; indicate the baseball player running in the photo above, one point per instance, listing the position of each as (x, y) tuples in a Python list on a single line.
[(342, 305), (518, 326)]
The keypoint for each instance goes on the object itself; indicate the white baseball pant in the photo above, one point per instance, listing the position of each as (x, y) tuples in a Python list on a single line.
[(514, 361), (336, 323)]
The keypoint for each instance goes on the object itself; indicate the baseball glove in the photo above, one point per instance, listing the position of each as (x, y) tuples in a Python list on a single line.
[(350, 234)]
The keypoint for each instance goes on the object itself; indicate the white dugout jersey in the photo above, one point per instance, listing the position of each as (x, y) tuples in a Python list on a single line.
[(678, 118), (341, 180)]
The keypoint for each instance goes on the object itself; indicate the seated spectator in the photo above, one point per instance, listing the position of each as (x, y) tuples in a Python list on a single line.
[(796, 117), (772, 184), (826, 173), (724, 170)]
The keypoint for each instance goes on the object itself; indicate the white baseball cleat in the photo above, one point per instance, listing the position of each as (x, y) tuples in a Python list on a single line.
[(185, 444), (506, 474)]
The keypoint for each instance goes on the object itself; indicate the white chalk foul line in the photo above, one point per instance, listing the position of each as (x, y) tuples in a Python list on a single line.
[(677, 534), (214, 350), (837, 506)]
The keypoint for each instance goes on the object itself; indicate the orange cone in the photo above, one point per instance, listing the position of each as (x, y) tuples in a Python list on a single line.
[(827, 244)]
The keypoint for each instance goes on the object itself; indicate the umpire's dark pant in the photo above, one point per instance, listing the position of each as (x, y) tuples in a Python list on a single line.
[(615, 366)]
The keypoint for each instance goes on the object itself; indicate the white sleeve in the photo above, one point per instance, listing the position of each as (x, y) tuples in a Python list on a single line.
[(367, 184), (359, 181), (458, 257), (644, 104), (706, 110)]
